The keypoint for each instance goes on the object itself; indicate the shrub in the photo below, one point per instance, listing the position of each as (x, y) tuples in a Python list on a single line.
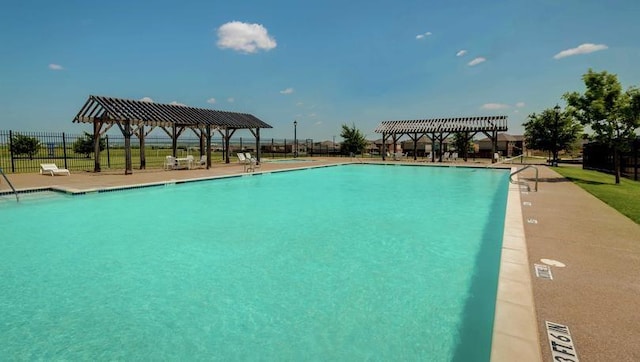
[(24, 145), (84, 145)]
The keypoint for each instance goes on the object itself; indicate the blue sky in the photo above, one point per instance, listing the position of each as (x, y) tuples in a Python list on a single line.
[(322, 63)]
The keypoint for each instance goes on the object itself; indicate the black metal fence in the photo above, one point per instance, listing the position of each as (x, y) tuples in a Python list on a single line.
[(58, 147), (600, 157)]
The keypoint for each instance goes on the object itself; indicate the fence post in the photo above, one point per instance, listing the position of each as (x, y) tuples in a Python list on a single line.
[(64, 150), (285, 148), (272, 148), (106, 137), (13, 166)]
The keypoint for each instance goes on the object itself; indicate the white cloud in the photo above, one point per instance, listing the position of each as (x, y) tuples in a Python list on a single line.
[(461, 53), (421, 36), (476, 61), (318, 123), (520, 104), (231, 99), (175, 103), (211, 100), (244, 37), (55, 66), (585, 48), (299, 104), (146, 99), (494, 106), (287, 91)]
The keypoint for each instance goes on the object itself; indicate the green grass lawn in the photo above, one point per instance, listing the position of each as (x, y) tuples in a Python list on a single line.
[(624, 197)]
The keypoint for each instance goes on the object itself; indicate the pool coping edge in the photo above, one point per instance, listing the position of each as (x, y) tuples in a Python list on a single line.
[(515, 330)]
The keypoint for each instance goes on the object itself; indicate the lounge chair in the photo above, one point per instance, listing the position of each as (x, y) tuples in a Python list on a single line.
[(398, 156), (245, 162), (53, 170), (252, 160)]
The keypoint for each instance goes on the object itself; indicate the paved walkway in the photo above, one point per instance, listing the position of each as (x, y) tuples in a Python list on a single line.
[(596, 295)]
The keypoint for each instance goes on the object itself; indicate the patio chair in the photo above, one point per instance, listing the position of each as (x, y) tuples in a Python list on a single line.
[(190, 161), (202, 162), (53, 170), (252, 160), (170, 163)]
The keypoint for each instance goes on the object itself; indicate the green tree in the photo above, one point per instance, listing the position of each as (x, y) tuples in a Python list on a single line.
[(353, 140), (463, 144), (24, 145), (612, 114), (552, 130), (84, 145)]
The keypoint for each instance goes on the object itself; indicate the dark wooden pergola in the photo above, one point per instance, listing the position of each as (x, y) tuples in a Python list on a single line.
[(139, 118), (438, 129)]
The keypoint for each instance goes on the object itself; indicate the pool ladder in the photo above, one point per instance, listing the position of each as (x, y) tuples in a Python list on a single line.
[(522, 182), (10, 185)]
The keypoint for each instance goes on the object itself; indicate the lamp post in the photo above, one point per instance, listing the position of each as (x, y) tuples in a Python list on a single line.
[(554, 149), (334, 145), (295, 138)]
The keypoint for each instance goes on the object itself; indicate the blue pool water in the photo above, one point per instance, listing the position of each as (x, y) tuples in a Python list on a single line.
[(338, 263)]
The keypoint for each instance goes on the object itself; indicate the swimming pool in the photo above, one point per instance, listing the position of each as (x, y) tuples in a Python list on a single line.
[(346, 262)]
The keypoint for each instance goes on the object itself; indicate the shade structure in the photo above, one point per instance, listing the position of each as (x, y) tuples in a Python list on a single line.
[(132, 116), (437, 129)]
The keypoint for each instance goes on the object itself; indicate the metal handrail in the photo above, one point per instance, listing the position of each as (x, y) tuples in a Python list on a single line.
[(522, 182), (504, 161), (10, 185)]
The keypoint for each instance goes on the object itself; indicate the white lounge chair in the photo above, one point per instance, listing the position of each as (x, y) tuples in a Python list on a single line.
[(245, 162), (252, 160), (53, 170)]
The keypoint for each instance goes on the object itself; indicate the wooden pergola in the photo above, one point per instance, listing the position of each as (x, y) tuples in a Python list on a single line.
[(438, 129), (139, 118)]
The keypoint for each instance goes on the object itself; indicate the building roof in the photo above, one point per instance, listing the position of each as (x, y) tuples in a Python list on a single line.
[(110, 110), (504, 137)]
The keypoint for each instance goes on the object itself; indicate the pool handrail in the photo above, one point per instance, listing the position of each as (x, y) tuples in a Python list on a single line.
[(10, 185)]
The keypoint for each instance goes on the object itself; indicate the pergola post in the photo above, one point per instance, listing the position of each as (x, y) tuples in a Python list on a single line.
[(127, 148), (174, 140), (227, 137), (141, 137), (415, 146), (258, 150), (383, 150), (433, 147), (201, 137), (208, 135), (96, 145), (494, 145)]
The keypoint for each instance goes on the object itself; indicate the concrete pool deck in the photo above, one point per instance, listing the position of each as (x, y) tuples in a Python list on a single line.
[(596, 295)]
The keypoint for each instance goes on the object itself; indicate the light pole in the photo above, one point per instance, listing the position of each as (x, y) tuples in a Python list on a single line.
[(295, 138), (334, 145), (555, 136)]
